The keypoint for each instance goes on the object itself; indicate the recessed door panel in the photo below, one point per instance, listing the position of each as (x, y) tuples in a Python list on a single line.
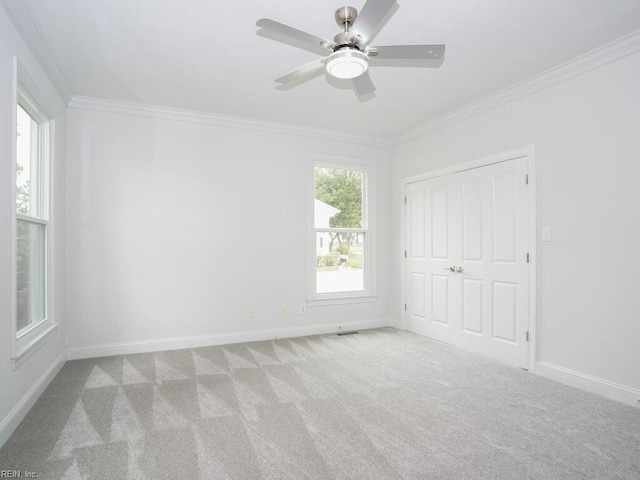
[(505, 218), (472, 305), (440, 299), (417, 247), (504, 317), (472, 222), (439, 223), (418, 294)]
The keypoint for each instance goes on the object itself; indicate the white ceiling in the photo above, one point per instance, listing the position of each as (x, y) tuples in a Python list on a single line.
[(205, 55)]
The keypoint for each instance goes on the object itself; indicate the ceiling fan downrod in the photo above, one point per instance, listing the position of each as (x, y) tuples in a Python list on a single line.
[(345, 17)]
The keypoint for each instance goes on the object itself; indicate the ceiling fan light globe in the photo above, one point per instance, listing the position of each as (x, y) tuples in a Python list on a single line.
[(347, 63)]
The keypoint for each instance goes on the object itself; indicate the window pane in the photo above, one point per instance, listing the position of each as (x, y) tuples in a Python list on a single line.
[(338, 198), (28, 167), (339, 262), (30, 255)]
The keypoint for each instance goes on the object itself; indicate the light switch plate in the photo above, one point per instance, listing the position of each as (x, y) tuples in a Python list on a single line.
[(546, 234)]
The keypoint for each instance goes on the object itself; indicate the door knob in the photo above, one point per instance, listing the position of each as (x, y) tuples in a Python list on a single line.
[(458, 269)]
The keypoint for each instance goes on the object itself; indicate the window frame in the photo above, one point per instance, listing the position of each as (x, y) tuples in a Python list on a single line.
[(368, 228), (27, 95)]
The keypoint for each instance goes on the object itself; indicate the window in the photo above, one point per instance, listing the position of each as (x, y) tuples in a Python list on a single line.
[(32, 322), (31, 218), (341, 235)]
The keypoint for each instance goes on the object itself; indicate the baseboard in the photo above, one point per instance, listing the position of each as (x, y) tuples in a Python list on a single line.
[(614, 391), (396, 323), (145, 346), (15, 416)]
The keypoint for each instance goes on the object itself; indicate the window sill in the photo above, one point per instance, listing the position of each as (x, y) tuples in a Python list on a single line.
[(342, 300), (27, 350)]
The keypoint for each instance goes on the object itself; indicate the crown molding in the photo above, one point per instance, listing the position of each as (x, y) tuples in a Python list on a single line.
[(599, 57), (218, 120), (28, 28)]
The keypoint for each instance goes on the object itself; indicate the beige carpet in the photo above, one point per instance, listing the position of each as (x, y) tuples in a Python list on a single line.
[(383, 404)]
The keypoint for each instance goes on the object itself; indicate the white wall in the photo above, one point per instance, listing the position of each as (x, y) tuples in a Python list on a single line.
[(19, 387), (177, 229), (586, 136)]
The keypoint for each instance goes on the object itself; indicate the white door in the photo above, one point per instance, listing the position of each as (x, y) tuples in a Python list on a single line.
[(430, 255), (467, 260)]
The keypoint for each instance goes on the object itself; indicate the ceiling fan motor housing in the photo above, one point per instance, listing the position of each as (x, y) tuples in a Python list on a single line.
[(345, 17)]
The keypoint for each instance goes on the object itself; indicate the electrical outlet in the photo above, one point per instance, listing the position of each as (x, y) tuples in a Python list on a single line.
[(303, 308), (252, 313), (283, 310)]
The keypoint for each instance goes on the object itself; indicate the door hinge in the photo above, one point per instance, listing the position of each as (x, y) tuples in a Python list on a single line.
[(405, 254), (526, 179), (527, 258), (405, 307), (527, 336)]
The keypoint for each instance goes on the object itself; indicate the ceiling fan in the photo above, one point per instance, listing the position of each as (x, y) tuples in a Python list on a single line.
[(350, 54)]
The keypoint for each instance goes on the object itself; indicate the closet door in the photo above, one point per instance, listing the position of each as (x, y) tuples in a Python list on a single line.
[(467, 272)]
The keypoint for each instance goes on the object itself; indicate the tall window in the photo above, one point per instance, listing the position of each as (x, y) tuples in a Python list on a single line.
[(32, 208), (341, 230)]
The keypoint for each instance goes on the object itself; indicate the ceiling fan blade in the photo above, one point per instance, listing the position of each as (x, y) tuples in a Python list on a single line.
[(292, 36), (368, 21), (363, 85), (408, 52), (302, 74)]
